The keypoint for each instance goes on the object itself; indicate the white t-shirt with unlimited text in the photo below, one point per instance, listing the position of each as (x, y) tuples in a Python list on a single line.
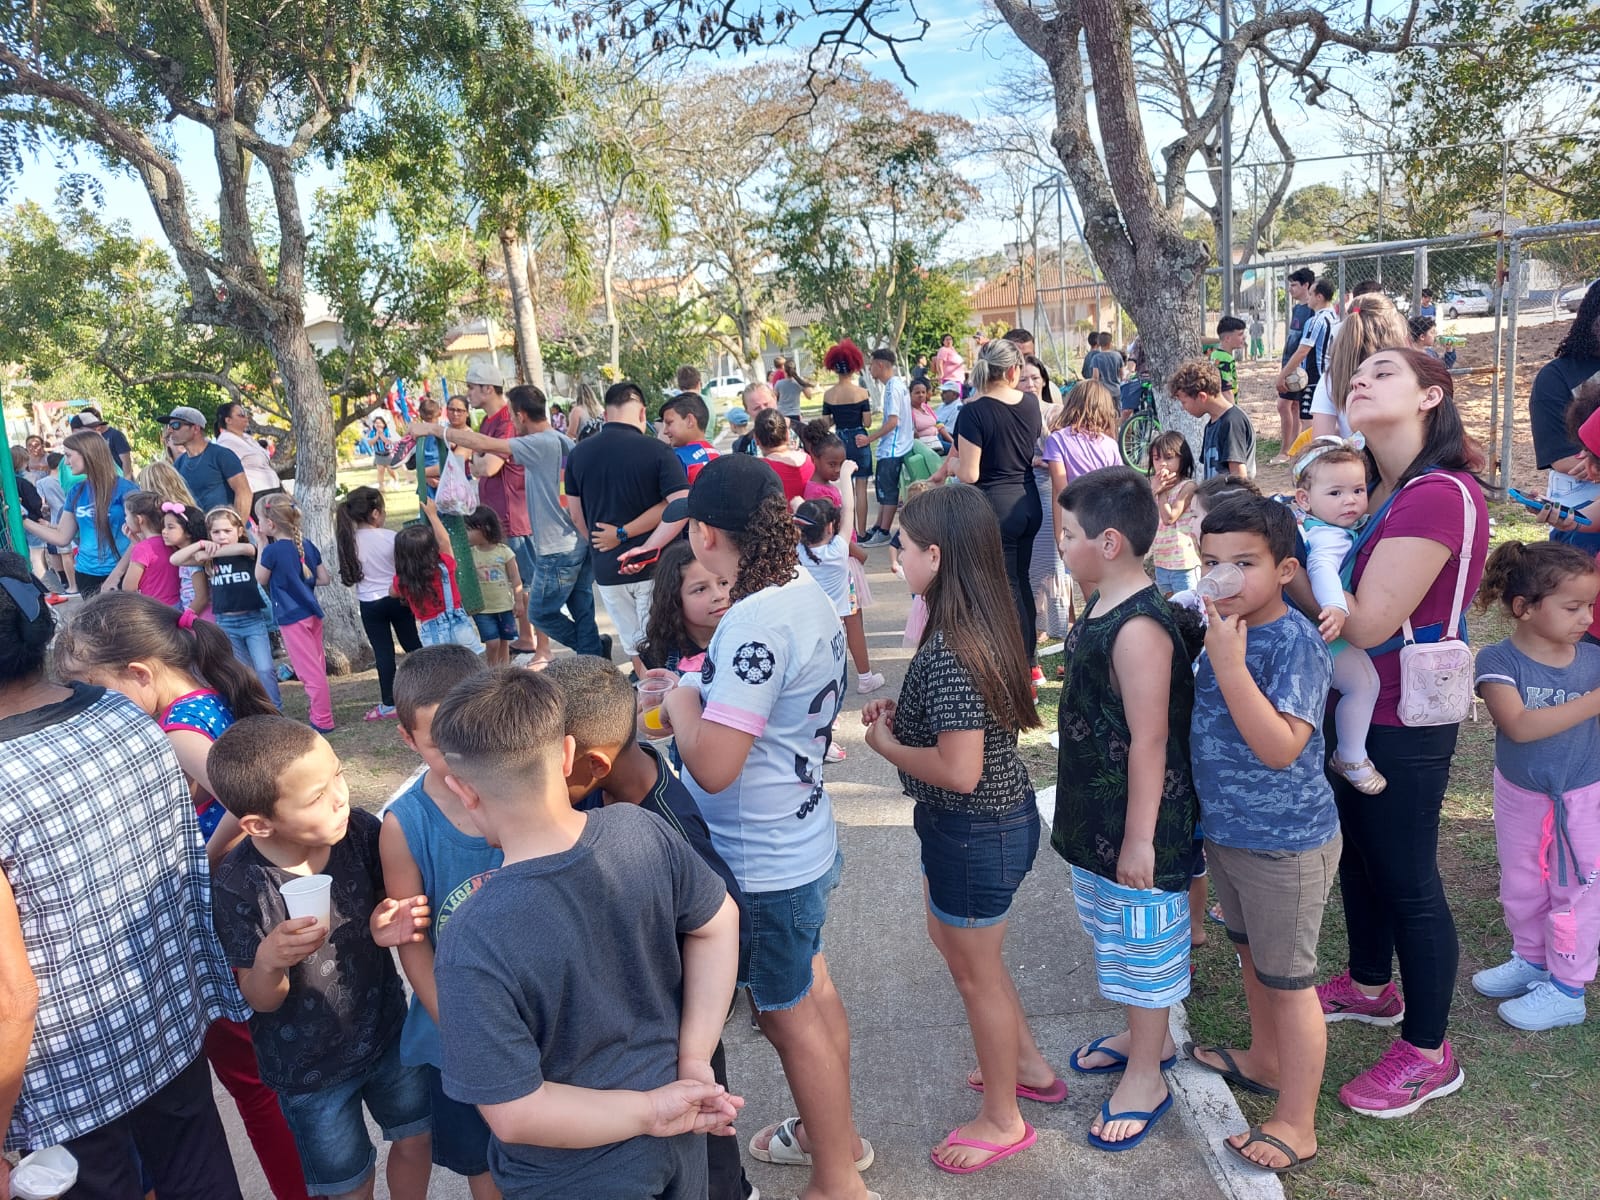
[(776, 670)]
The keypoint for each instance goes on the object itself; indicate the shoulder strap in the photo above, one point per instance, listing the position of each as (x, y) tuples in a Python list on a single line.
[(1469, 527), (447, 593)]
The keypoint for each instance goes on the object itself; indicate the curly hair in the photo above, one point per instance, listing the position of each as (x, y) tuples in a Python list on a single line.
[(665, 632), (1583, 335), (768, 548), (818, 436), (844, 358), (416, 564), (1197, 376), (191, 519)]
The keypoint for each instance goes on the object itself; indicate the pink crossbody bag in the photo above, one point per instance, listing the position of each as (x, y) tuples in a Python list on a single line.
[(1436, 677)]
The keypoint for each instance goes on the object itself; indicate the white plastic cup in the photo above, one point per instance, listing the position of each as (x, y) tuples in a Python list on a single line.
[(1220, 583), (309, 896), (651, 690), (44, 1175)]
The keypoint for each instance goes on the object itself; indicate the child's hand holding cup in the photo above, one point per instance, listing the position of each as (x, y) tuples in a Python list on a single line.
[(653, 688)]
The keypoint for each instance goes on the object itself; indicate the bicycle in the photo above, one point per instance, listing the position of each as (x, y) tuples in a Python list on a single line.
[(1140, 427)]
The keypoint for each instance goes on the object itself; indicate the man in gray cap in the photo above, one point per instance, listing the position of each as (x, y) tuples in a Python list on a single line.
[(213, 472)]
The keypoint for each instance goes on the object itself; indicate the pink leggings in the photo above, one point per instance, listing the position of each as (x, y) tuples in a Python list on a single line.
[(303, 641), (1531, 849)]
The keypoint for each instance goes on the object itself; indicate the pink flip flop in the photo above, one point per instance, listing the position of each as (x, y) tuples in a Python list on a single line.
[(1054, 1094), (997, 1152)]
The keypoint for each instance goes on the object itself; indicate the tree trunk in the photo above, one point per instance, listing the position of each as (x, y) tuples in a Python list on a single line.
[(533, 349), (522, 316), (608, 284), (316, 464)]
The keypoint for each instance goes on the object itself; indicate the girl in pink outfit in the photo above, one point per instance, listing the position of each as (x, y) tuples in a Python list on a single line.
[(947, 360), (291, 569), (1542, 688)]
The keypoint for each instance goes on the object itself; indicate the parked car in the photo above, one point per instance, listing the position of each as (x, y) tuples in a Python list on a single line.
[(1571, 300), (1469, 302), (725, 387)]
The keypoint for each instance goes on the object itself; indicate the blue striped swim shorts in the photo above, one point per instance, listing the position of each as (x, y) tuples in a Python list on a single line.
[(1141, 940)]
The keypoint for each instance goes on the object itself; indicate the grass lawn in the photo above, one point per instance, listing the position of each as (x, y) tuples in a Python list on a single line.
[(1520, 1127)]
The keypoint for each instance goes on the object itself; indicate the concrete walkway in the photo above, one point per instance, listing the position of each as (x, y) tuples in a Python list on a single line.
[(910, 1045)]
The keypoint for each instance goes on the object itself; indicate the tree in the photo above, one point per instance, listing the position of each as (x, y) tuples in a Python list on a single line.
[(866, 193), (939, 307), (268, 86)]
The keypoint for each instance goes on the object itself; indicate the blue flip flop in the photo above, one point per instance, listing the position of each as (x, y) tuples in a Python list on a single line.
[(1119, 1063), (1107, 1116)]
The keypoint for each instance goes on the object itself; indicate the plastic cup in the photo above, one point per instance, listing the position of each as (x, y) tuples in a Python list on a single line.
[(309, 896), (651, 690), (1221, 582), (44, 1175)]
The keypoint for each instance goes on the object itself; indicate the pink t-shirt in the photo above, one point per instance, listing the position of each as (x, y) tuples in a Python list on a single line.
[(815, 489), (948, 360), (1081, 452), (1430, 509), (160, 578)]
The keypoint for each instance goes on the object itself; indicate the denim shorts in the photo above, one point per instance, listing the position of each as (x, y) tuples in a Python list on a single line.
[(460, 1134), (785, 935), (1169, 581), (886, 480), (974, 864), (335, 1151), (496, 627), (860, 455), (450, 628)]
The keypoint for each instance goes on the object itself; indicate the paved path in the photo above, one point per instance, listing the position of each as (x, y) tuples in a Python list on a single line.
[(911, 1050)]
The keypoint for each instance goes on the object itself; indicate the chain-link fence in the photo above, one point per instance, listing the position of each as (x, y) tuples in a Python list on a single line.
[(1501, 305)]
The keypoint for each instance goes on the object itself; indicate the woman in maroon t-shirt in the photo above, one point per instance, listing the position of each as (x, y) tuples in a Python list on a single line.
[(1402, 401)]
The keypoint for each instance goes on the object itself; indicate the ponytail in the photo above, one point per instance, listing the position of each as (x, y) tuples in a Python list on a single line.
[(1529, 572), (117, 628), (353, 513), (993, 362)]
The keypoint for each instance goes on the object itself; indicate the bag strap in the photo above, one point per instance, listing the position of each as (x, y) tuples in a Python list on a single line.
[(447, 593), (1469, 527)]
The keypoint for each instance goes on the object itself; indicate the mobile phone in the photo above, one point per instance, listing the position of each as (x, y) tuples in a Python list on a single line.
[(644, 560), (1538, 506)]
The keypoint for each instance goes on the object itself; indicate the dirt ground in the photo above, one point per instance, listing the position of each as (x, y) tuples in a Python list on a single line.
[(1536, 345)]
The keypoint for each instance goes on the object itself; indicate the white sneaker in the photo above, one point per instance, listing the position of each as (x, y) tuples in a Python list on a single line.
[(835, 752), (1545, 1007), (868, 683), (1509, 979)]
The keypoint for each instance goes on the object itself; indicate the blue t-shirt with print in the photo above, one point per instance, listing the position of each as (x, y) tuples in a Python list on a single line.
[(293, 596), (93, 557), (1562, 762), (1244, 803)]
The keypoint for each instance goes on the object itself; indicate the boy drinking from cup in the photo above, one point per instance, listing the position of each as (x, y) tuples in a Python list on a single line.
[(328, 1002)]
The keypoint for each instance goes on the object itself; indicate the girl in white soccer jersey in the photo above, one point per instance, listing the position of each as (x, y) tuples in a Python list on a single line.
[(753, 738)]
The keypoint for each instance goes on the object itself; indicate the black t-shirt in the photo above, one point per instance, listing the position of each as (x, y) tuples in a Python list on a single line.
[(345, 1003), (939, 696), (1547, 406), (1228, 438), (616, 475), (675, 805), (1007, 435), (233, 584), (117, 443), (848, 416)]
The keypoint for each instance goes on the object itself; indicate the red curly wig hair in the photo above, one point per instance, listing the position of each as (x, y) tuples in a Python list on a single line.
[(844, 358)]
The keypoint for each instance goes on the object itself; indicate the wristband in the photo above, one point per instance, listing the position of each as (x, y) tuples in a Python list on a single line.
[(622, 533)]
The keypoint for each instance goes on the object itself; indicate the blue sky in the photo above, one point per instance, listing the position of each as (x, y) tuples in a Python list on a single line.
[(959, 66)]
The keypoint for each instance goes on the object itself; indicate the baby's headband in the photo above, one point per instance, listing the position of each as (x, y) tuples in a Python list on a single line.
[(1321, 445)]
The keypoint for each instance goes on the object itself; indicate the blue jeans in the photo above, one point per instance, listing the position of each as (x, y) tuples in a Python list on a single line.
[(330, 1133), (1169, 580), (974, 864), (785, 935), (567, 580), (252, 645)]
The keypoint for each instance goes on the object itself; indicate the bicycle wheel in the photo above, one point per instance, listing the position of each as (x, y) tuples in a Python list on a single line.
[(1134, 439)]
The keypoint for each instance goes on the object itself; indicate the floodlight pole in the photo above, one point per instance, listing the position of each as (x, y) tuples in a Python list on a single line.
[(1225, 191)]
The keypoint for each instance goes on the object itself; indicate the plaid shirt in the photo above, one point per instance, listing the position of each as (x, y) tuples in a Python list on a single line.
[(99, 842)]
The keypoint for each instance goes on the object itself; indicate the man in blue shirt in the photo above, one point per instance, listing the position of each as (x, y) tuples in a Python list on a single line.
[(213, 472)]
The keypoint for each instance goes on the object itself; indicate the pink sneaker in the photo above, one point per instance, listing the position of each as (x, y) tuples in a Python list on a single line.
[(1402, 1081), (1342, 1000)]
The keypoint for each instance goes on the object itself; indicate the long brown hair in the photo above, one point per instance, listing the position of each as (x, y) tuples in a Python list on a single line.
[(769, 554), (353, 514), (1372, 324), (1445, 442), (969, 602), (1088, 407), (114, 629), (101, 473)]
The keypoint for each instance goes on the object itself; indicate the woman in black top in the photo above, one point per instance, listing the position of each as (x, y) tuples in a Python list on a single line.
[(997, 435), (849, 406)]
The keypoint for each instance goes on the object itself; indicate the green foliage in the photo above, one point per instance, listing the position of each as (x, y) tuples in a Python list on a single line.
[(1314, 213), (939, 306)]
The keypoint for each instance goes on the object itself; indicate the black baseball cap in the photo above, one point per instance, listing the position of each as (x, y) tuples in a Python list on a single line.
[(727, 492)]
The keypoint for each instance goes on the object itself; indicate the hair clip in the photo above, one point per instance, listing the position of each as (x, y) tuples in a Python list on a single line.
[(25, 594), (167, 506)]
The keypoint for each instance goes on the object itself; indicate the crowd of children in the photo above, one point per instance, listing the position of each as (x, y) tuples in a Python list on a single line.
[(1196, 744)]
